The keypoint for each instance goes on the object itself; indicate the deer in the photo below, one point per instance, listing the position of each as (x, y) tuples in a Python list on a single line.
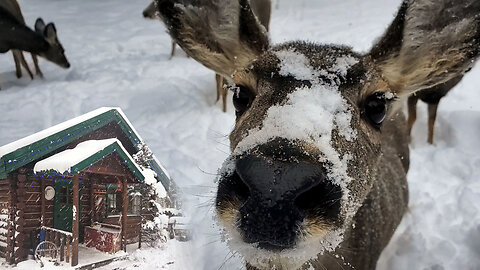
[(14, 8), (150, 12), (261, 8), (317, 175), (432, 97), (15, 35)]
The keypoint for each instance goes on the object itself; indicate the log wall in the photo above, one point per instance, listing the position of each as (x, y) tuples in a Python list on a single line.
[(21, 213), (29, 216), (7, 232)]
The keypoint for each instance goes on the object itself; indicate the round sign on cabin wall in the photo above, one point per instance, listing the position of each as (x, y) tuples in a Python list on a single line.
[(49, 193)]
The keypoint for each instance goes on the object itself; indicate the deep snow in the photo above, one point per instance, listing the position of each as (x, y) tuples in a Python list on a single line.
[(120, 59)]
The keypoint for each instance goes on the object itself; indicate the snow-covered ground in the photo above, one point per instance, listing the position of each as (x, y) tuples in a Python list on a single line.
[(120, 59)]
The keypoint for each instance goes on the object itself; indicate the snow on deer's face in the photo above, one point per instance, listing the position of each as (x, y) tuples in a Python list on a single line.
[(298, 170)]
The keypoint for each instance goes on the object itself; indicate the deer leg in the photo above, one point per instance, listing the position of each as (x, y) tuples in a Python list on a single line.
[(412, 114), (218, 80), (25, 65), (16, 59), (224, 95), (172, 53), (38, 71), (432, 115)]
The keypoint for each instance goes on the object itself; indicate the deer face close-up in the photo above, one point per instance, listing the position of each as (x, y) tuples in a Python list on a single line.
[(319, 151), (291, 183)]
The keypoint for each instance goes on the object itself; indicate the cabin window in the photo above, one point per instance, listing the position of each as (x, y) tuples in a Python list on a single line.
[(65, 195), (115, 200), (135, 200)]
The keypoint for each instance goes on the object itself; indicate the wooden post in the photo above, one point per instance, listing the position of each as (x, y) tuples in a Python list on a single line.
[(20, 253), (75, 220), (62, 247), (10, 255), (67, 255), (141, 221), (92, 201), (42, 194), (124, 214)]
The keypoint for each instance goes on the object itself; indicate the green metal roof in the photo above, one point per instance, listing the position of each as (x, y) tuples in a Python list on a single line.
[(38, 149)]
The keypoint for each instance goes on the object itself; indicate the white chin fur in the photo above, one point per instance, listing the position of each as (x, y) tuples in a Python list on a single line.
[(288, 259)]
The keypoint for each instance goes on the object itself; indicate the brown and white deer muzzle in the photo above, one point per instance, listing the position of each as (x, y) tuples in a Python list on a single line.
[(277, 195)]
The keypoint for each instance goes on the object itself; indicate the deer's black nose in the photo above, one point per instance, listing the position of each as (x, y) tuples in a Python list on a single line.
[(280, 195)]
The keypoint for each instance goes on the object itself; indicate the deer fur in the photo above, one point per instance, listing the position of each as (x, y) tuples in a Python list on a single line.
[(317, 174), (261, 9), (15, 35), (14, 8)]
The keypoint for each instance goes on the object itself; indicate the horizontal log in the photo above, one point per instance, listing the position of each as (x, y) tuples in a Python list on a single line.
[(6, 200), (32, 188), (5, 188), (5, 195), (33, 208), (27, 230), (33, 201), (31, 215), (5, 182)]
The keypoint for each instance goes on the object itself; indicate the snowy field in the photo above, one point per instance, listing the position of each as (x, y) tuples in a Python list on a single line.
[(120, 59)]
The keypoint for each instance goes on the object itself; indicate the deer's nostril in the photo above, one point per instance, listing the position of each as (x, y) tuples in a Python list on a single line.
[(241, 189), (323, 200), (232, 188)]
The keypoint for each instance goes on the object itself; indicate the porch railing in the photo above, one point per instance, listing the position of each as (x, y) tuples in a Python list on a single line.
[(62, 239)]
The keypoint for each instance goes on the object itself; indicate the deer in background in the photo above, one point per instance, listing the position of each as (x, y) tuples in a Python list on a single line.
[(150, 12), (261, 8), (317, 174), (432, 97), (15, 35), (14, 8)]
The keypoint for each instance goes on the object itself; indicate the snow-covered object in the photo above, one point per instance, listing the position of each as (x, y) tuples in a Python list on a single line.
[(310, 114), (151, 180), (171, 104), (8, 148), (64, 161), (52, 130)]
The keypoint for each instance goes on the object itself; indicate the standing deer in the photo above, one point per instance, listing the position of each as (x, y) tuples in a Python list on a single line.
[(15, 35), (432, 97), (150, 12), (14, 8), (261, 8), (317, 174)]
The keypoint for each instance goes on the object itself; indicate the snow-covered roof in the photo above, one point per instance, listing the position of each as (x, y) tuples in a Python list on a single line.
[(64, 161), (32, 148), (69, 161), (11, 147)]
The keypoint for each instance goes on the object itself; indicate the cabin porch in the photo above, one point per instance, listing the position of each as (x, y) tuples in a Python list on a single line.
[(102, 211)]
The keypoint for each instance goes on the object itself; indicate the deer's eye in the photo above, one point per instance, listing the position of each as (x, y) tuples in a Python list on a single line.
[(242, 99), (375, 109)]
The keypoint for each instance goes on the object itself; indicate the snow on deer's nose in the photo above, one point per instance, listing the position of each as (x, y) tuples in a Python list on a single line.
[(309, 114)]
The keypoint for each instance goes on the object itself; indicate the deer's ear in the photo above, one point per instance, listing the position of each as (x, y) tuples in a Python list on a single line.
[(223, 35), (39, 25), (50, 31), (429, 42)]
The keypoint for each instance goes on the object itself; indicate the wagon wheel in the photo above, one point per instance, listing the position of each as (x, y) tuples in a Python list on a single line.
[(46, 249)]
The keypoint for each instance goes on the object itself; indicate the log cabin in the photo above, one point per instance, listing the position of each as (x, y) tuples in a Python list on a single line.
[(76, 182)]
